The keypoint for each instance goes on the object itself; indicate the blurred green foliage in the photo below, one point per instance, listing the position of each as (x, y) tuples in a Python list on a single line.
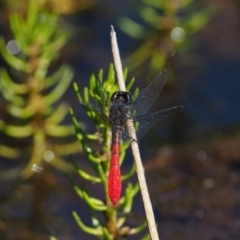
[(59, 6), (166, 27), (31, 122), (100, 91)]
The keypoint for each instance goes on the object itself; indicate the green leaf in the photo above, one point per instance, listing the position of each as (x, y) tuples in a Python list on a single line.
[(131, 28), (96, 219), (13, 61), (101, 172), (58, 114), (92, 156), (111, 74), (59, 90), (59, 163), (76, 90), (52, 47), (129, 84), (130, 193), (158, 61), (129, 174), (92, 231), (92, 204), (92, 81), (9, 84), (19, 112), (92, 136), (107, 235), (150, 15), (64, 72), (53, 238), (141, 55), (11, 97), (127, 205), (198, 20), (86, 94), (79, 131), (9, 152), (81, 194), (124, 147), (100, 75), (138, 229), (85, 175), (19, 30), (67, 148), (34, 161), (47, 26), (32, 15), (59, 130), (43, 65), (18, 131)]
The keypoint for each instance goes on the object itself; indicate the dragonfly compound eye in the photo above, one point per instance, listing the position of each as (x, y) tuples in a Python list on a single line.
[(124, 97)]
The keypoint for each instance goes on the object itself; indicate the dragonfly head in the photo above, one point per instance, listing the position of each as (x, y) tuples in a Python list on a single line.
[(123, 97)]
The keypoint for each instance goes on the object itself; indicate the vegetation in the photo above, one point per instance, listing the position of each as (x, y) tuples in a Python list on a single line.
[(101, 89), (165, 29), (32, 113), (31, 123)]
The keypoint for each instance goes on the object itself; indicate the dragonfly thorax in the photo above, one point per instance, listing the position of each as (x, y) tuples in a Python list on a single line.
[(118, 115), (119, 108)]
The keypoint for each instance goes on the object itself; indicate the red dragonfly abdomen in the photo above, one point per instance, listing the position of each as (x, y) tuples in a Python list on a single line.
[(114, 177)]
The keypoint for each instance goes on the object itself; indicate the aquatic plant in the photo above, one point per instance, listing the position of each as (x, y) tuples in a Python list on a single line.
[(113, 225), (31, 125), (164, 28)]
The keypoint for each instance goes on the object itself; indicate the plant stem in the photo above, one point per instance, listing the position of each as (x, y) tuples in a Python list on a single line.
[(134, 144)]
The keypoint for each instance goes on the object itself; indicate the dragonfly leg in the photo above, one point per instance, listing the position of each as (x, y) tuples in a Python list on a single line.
[(132, 139)]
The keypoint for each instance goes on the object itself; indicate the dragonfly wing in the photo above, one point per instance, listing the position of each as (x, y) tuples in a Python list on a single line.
[(148, 95), (98, 112), (149, 120)]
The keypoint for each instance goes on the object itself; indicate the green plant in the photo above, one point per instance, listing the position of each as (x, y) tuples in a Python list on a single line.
[(166, 28), (31, 122), (113, 226)]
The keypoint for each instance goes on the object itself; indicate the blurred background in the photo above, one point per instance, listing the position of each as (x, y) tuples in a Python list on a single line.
[(192, 160)]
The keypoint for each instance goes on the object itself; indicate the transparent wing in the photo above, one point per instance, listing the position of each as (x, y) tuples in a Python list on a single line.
[(149, 120), (99, 114), (148, 95)]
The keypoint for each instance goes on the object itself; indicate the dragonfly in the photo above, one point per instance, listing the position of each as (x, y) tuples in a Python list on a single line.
[(121, 109)]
